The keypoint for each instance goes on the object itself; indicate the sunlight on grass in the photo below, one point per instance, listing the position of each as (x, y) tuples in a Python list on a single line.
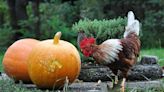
[(155, 52), (1, 57)]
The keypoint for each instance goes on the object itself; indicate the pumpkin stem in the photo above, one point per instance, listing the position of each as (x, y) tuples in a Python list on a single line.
[(57, 37)]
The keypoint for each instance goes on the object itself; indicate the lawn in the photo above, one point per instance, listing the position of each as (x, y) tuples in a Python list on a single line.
[(155, 52)]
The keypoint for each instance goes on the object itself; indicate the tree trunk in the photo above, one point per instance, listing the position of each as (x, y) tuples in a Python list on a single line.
[(35, 6), (21, 12), (12, 12), (1, 18)]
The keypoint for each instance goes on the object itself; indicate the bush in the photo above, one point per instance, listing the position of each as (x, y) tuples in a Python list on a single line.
[(101, 29)]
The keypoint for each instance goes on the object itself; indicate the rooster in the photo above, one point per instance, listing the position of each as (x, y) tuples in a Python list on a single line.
[(117, 54)]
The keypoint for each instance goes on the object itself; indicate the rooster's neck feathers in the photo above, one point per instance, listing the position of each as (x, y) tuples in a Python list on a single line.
[(108, 51)]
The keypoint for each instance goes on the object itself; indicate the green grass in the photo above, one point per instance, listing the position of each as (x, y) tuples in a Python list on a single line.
[(155, 52), (10, 86), (1, 57)]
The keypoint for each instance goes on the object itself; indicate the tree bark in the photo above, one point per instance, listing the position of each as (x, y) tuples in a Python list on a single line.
[(12, 12), (1, 18), (21, 12), (36, 13)]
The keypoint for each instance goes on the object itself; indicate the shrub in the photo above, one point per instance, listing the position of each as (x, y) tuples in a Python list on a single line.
[(101, 29)]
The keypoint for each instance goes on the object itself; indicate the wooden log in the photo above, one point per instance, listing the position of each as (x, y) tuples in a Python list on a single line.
[(94, 73), (145, 72), (138, 72)]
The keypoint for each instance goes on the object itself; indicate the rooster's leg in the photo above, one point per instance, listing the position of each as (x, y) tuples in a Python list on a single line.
[(98, 83), (115, 79), (123, 85)]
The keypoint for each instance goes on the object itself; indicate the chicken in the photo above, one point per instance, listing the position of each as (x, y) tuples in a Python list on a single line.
[(117, 54)]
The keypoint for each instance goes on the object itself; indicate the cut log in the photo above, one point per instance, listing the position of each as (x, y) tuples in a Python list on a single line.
[(138, 72), (145, 72), (94, 73)]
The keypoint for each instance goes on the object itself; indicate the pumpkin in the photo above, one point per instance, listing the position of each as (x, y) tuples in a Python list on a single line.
[(52, 62), (15, 59)]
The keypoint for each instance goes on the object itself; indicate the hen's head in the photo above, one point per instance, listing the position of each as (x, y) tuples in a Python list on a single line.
[(86, 44)]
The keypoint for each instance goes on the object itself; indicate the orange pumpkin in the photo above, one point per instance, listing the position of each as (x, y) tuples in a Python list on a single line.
[(52, 61), (15, 59)]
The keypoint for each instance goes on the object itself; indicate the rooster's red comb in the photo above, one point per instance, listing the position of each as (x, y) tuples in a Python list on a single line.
[(87, 41)]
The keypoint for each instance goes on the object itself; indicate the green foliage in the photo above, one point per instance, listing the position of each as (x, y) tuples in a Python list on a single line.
[(149, 12), (50, 23), (101, 29), (68, 13), (6, 35), (3, 6), (3, 12), (60, 16), (92, 9), (153, 33)]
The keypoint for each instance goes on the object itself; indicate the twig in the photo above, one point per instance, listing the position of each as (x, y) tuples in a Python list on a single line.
[(145, 77), (65, 89)]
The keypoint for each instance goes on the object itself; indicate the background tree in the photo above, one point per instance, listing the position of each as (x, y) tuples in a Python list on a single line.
[(41, 20)]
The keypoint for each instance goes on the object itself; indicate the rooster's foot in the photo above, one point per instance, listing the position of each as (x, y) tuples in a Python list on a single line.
[(123, 85), (116, 80)]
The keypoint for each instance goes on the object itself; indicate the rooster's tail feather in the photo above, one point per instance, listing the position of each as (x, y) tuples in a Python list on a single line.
[(133, 24), (131, 18), (81, 36)]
